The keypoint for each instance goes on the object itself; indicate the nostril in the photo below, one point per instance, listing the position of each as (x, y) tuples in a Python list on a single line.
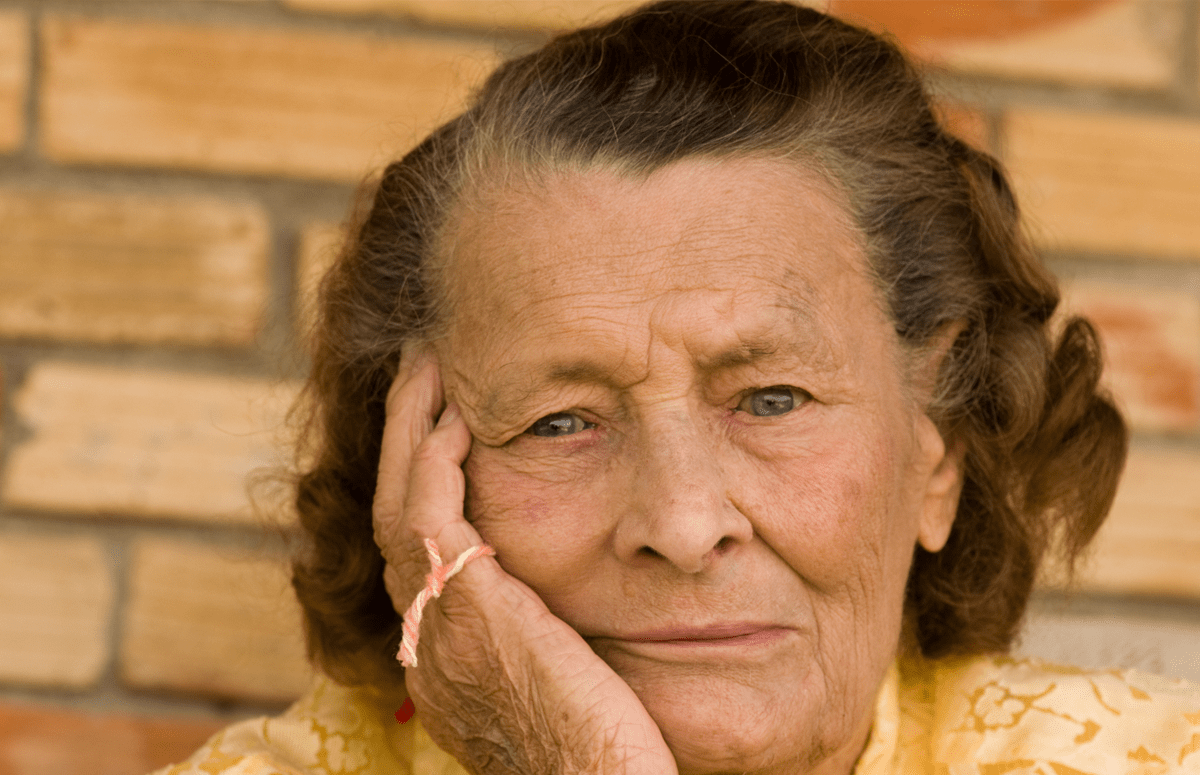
[(651, 552)]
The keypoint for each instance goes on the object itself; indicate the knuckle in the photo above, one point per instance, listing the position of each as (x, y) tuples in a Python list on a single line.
[(429, 452)]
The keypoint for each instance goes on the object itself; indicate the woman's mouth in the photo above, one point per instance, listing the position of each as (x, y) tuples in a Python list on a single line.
[(740, 635)]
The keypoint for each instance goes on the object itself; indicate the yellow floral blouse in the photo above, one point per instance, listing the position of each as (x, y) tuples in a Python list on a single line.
[(985, 716)]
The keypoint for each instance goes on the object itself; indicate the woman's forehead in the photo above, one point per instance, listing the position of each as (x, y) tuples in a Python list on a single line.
[(724, 262), (696, 224)]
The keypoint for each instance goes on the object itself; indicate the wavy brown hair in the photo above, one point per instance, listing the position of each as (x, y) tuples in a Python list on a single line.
[(1042, 448)]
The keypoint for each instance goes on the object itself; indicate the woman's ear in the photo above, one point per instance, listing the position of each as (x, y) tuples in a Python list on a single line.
[(944, 460), (942, 489)]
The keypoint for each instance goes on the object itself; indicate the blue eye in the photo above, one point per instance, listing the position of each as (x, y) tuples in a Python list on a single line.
[(772, 401), (560, 424)]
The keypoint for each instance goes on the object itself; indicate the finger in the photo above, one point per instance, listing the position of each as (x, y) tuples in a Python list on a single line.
[(412, 404), (398, 588), (437, 487), (410, 356), (433, 509)]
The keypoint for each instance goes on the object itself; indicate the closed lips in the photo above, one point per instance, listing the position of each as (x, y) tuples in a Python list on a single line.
[(704, 634)]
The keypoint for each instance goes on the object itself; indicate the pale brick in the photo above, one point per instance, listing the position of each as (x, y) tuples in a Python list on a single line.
[(1165, 648), (14, 77), (50, 741), (1106, 183), (56, 600), (512, 14), (125, 268), (153, 444), (1151, 542), (248, 100), (1152, 350), (1130, 43), (211, 620), (319, 245)]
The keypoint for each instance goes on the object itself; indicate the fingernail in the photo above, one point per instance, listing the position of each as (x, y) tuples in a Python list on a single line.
[(449, 414)]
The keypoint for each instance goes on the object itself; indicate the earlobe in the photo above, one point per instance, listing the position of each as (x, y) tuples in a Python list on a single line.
[(941, 493)]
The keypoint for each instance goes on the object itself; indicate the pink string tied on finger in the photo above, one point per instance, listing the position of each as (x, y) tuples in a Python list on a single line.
[(435, 582)]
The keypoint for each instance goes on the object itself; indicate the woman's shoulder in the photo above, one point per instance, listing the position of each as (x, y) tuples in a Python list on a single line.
[(332, 730), (1028, 716)]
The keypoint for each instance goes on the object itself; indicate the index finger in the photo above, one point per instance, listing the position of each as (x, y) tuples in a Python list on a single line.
[(437, 487), (413, 402)]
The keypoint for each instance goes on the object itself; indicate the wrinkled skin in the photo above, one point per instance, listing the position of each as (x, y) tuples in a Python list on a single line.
[(528, 695), (702, 552)]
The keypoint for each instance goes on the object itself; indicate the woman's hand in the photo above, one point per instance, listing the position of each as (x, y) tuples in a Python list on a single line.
[(501, 683)]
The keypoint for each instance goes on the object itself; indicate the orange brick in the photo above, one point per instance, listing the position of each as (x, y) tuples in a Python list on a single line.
[(51, 741), (1151, 543), (106, 268), (211, 620), (1105, 183), (56, 599), (246, 100), (14, 76), (1152, 350), (513, 14), (319, 245), (152, 444), (1128, 43)]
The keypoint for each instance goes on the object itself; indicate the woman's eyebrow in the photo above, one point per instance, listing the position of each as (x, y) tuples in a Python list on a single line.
[(799, 337), (744, 354), (510, 396)]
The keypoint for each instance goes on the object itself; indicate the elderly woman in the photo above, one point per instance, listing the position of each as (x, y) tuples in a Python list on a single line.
[(728, 377)]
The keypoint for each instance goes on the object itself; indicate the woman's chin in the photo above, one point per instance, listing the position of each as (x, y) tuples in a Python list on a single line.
[(723, 733), (715, 723)]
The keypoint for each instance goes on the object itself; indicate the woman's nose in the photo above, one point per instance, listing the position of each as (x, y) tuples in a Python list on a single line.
[(680, 511)]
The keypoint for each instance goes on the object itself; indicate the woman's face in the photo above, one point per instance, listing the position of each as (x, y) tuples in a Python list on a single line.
[(696, 441)]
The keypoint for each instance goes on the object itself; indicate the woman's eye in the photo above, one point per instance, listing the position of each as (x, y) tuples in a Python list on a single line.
[(560, 424), (772, 401)]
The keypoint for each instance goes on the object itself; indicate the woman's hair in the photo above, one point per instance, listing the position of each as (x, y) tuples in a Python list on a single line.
[(1042, 448)]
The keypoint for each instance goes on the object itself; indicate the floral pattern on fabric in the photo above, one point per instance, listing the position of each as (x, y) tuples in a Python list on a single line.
[(332, 730), (1002, 716), (982, 716)]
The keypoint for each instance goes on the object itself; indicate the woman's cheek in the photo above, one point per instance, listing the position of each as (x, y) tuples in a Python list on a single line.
[(505, 493), (819, 508), (544, 524)]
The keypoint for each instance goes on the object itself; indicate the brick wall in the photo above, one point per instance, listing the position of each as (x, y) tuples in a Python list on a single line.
[(172, 176)]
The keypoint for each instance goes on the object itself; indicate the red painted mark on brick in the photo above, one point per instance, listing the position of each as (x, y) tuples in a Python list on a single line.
[(1139, 350), (953, 20)]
